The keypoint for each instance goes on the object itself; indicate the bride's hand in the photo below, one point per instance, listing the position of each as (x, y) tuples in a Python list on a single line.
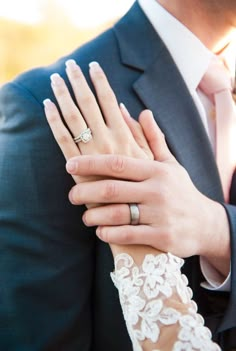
[(113, 131)]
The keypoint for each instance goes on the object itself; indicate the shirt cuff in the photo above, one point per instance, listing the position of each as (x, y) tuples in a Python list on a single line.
[(214, 280)]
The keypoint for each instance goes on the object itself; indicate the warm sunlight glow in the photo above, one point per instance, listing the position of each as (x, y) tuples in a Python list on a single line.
[(26, 11), (87, 13), (83, 13), (41, 31)]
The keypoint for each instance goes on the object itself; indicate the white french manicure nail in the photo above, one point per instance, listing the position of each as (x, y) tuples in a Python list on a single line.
[(56, 79), (48, 104), (124, 108), (95, 66), (71, 64)]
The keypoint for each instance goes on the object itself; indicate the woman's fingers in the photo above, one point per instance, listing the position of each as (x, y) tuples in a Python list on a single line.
[(76, 122), (70, 112), (111, 133), (85, 98), (107, 99), (60, 132)]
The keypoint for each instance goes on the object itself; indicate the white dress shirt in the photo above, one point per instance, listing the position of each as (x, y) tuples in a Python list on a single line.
[(192, 59)]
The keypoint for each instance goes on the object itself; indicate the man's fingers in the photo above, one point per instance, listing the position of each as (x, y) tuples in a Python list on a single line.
[(106, 191), (115, 166), (119, 214), (115, 214), (130, 235)]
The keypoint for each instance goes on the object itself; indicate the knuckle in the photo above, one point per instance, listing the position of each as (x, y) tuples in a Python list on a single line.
[(117, 164), (91, 165), (53, 117), (60, 91), (72, 116), (63, 139), (165, 172), (77, 74), (100, 75), (86, 99), (116, 215), (107, 95), (126, 237), (110, 191), (107, 145)]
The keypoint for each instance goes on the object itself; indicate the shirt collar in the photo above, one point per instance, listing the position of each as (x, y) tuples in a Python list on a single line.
[(189, 53)]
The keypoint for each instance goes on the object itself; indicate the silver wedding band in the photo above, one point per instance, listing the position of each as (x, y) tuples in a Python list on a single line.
[(134, 214), (84, 136)]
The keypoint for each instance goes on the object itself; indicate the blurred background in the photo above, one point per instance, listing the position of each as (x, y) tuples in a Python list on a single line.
[(37, 32)]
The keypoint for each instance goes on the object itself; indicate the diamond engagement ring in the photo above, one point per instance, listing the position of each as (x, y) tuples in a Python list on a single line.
[(85, 136), (134, 214)]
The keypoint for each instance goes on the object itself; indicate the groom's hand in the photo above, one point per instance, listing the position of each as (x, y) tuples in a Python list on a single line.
[(174, 215)]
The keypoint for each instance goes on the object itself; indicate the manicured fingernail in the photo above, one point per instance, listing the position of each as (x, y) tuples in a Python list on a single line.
[(95, 67), (98, 232), (56, 79), (48, 104), (123, 107), (72, 65), (71, 166), (84, 218), (151, 113), (70, 196)]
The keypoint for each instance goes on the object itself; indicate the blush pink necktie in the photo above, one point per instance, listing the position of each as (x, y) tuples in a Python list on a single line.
[(217, 85)]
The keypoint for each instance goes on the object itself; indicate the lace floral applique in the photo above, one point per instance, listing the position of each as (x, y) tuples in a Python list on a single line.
[(149, 295)]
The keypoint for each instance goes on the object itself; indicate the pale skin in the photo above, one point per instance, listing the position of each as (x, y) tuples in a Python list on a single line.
[(137, 166), (212, 21), (121, 134), (140, 142), (203, 232), (153, 185), (209, 228)]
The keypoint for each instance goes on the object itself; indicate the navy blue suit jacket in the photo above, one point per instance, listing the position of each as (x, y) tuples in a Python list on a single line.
[(55, 288)]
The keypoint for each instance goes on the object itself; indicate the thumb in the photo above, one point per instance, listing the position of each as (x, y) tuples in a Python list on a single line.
[(155, 137)]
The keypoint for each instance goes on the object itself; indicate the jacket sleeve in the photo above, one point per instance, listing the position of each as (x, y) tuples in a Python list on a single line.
[(229, 320), (46, 258)]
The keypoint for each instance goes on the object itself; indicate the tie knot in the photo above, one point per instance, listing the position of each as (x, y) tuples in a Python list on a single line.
[(216, 78)]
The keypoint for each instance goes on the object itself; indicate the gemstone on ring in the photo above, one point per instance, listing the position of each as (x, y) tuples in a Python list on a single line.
[(84, 136)]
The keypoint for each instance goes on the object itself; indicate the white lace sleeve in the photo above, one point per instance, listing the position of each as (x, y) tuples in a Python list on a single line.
[(157, 305)]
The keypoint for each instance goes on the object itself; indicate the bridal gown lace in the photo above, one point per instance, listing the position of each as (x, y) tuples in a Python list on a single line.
[(157, 305)]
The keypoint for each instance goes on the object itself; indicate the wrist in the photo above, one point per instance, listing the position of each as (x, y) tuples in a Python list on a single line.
[(137, 252), (217, 250)]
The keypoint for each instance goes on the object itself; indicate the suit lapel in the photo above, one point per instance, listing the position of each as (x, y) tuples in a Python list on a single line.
[(162, 89)]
